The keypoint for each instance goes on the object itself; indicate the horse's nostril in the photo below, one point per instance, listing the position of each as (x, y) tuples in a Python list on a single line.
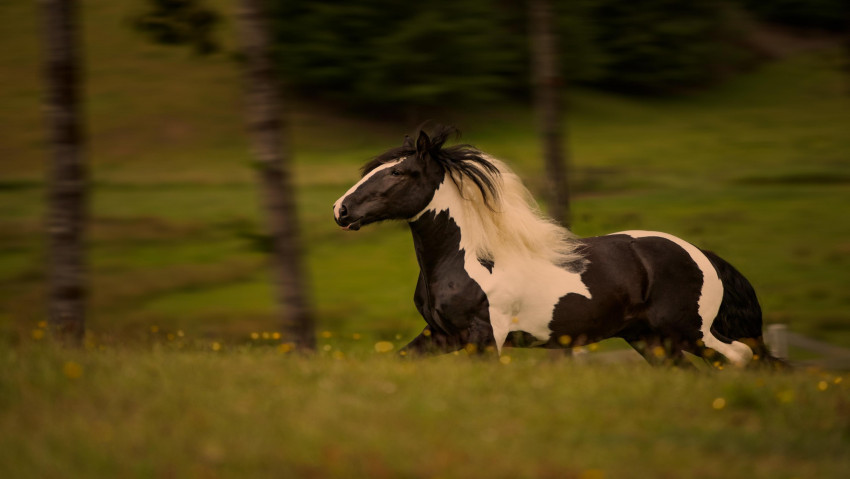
[(343, 211)]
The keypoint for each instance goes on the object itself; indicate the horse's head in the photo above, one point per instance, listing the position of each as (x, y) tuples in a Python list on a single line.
[(396, 185)]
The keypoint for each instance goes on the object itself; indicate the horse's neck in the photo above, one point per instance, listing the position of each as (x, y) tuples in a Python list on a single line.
[(436, 238)]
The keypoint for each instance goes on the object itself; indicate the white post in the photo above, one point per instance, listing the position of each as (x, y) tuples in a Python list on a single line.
[(776, 339)]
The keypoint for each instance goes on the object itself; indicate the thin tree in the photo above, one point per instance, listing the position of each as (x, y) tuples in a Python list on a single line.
[(271, 148), (67, 180), (548, 85)]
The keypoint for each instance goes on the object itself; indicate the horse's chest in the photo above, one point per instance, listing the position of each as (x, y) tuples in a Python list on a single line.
[(449, 298)]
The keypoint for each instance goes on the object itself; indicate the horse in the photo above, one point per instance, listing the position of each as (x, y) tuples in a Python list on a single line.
[(495, 272)]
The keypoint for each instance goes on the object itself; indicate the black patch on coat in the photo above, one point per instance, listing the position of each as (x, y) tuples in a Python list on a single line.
[(638, 286), (740, 314)]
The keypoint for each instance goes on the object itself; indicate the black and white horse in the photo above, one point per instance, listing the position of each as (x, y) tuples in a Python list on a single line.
[(494, 272)]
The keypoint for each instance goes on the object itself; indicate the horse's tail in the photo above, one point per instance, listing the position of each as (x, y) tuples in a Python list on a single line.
[(739, 317)]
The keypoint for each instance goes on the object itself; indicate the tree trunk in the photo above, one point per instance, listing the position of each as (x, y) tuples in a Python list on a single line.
[(547, 83), (67, 182), (271, 149)]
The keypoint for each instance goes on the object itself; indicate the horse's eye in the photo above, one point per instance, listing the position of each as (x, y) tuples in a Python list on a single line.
[(395, 173)]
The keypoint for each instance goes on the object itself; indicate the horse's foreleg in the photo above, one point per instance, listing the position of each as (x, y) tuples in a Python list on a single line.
[(430, 343), (479, 339)]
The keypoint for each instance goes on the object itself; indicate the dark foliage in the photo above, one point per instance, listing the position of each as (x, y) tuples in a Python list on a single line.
[(444, 51), (382, 52), (830, 15), (179, 22), (662, 46)]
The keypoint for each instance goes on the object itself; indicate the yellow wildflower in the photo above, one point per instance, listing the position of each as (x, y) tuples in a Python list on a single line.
[(72, 370)]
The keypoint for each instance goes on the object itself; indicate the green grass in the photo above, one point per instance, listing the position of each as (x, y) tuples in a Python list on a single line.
[(189, 411)]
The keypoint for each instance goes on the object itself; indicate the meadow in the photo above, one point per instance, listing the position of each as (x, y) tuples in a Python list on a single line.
[(184, 374)]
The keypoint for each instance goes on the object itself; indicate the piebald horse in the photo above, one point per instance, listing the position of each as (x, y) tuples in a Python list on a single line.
[(494, 272)]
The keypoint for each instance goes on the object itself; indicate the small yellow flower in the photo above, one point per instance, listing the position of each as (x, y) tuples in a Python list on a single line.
[(338, 355), (327, 347), (823, 385), (42, 324), (216, 346), (37, 334), (154, 329), (505, 359), (426, 332), (593, 346), (718, 403), (171, 336), (659, 352), (276, 336), (837, 380), (565, 339), (266, 335), (255, 336), (397, 336), (384, 346), (285, 348), (72, 370), (356, 336), (180, 333), (326, 334), (592, 474)]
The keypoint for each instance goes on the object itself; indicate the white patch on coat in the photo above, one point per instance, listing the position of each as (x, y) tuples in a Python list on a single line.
[(525, 284), (711, 296), (365, 178)]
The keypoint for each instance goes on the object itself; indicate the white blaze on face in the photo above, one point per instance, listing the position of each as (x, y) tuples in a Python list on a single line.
[(711, 296), (372, 173)]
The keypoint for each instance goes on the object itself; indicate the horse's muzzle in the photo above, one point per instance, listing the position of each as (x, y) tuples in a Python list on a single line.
[(341, 217)]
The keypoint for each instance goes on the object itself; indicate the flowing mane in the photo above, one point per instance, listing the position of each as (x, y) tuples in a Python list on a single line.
[(500, 217)]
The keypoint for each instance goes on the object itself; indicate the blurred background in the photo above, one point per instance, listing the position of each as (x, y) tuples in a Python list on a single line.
[(724, 122)]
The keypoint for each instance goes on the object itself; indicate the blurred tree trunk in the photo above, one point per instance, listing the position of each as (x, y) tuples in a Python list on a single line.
[(67, 182), (271, 148), (547, 83)]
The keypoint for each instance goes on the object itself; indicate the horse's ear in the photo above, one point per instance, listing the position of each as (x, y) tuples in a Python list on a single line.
[(423, 143)]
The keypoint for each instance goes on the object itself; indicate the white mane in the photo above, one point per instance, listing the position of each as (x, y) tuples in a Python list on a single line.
[(510, 226)]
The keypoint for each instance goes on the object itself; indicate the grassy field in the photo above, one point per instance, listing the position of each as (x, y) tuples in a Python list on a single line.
[(180, 411), (184, 375)]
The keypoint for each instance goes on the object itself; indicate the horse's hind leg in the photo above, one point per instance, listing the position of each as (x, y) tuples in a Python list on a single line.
[(736, 352)]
